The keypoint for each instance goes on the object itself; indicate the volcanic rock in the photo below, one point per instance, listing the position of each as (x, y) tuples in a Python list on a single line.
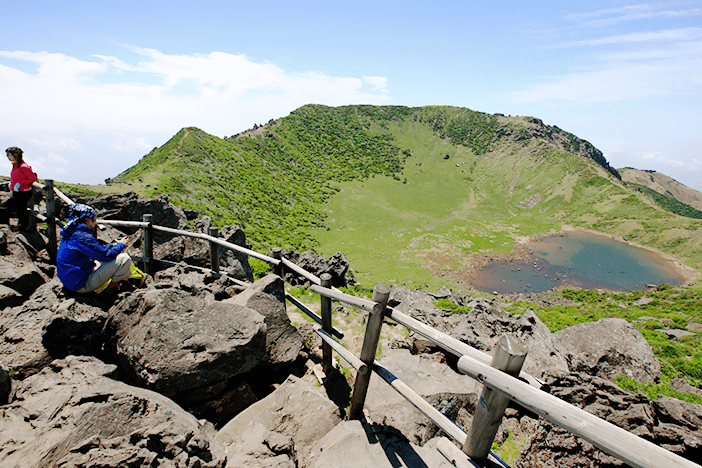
[(281, 429), (74, 414), (607, 348)]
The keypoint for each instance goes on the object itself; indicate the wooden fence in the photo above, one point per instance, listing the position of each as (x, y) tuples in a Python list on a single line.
[(501, 374)]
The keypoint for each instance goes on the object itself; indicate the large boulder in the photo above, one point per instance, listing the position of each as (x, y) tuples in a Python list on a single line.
[(17, 269), (197, 251), (355, 444), (132, 207), (451, 393), (52, 324), (184, 344), (74, 414), (674, 425), (607, 348), (267, 297), (420, 306), (22, 331), (484, 326), (336, 266), (281, 429)]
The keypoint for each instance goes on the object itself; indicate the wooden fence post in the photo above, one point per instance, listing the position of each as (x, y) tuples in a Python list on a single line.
[(214, 250), (381, 293), (326, 280), (509, 357), (32, 221), (51, 219), (147, 233), (277, 253)]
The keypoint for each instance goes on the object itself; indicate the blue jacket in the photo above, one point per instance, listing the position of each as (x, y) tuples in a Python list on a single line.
[(77, 252)]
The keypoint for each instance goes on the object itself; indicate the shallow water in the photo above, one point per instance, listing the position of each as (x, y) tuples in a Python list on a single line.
[(578, 259)]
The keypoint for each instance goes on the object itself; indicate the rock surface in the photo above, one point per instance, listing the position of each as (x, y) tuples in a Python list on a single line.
[(607, 348), (281, 429), (175, 341), (451, 393), (18, 272), (74, 414), (336, 266), (484, 326), (353, 444), (267, 297), (673, 424)]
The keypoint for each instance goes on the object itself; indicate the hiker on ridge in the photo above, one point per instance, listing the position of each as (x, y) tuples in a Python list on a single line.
[(21, 179), (79, 248)]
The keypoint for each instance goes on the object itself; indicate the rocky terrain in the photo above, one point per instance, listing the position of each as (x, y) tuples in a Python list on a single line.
[(201, 369)]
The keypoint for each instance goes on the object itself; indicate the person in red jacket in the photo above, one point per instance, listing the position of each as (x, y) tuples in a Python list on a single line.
[(21, 180)]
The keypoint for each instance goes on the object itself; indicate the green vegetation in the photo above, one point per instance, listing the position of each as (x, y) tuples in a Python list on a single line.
[(671, 307), (653, 391), (669, 202), (509, 450), (259, 268), (410, 195)]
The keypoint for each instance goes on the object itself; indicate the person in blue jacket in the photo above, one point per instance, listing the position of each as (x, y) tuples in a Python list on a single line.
[(79, 249)]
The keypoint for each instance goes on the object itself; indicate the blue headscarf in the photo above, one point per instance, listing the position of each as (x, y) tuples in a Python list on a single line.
[(78, 213)]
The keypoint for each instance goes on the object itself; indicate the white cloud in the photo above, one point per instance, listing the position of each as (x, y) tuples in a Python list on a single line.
[(612, 16), (131, 144), (84, 109), (378, 82), (56, 142), (219, 92), (677, 34), (617, 83)]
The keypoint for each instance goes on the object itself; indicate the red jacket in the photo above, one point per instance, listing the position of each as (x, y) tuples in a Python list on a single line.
[(22, 177)]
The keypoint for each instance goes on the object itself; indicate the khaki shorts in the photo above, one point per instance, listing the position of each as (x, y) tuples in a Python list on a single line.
[(117, 270)]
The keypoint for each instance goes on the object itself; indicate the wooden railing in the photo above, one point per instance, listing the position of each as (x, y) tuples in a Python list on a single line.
[(501, 374)]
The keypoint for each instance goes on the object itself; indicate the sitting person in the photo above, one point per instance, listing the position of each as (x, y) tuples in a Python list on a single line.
[(21, 179), (79, 248)]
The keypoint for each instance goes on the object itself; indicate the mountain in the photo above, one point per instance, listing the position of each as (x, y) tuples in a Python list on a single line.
[(667, 188), (415, 194)]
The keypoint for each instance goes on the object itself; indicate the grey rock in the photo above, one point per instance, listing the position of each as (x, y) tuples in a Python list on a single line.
[(74, 414), (418, 305), (5, 383), (607, 348), (337, 266), (484, 326), (76, 327), (9, 297), (175, 341), (295, 410), (672, 424), (353, 444), (676, 332), (132, 207), (267, 297), (17, 269), (196, 252), (683, 386), (50, 325), (437, 383)]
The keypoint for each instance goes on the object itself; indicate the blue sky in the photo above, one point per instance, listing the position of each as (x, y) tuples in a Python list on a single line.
[(87, 88)]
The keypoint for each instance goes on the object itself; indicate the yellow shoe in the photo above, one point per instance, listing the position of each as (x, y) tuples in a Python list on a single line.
[(103, 287)]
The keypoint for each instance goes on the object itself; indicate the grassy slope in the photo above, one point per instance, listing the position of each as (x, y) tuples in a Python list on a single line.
[(444, 212), (402, 211)]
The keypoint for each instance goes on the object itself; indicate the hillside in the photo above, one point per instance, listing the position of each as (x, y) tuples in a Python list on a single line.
[(663, 184), (413, 194)]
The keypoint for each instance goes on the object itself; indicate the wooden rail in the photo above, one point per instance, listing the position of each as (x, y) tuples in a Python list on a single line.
[(499, 386)]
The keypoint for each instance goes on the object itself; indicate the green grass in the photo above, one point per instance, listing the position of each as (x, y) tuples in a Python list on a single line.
[(672, 307), (373, 182)]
